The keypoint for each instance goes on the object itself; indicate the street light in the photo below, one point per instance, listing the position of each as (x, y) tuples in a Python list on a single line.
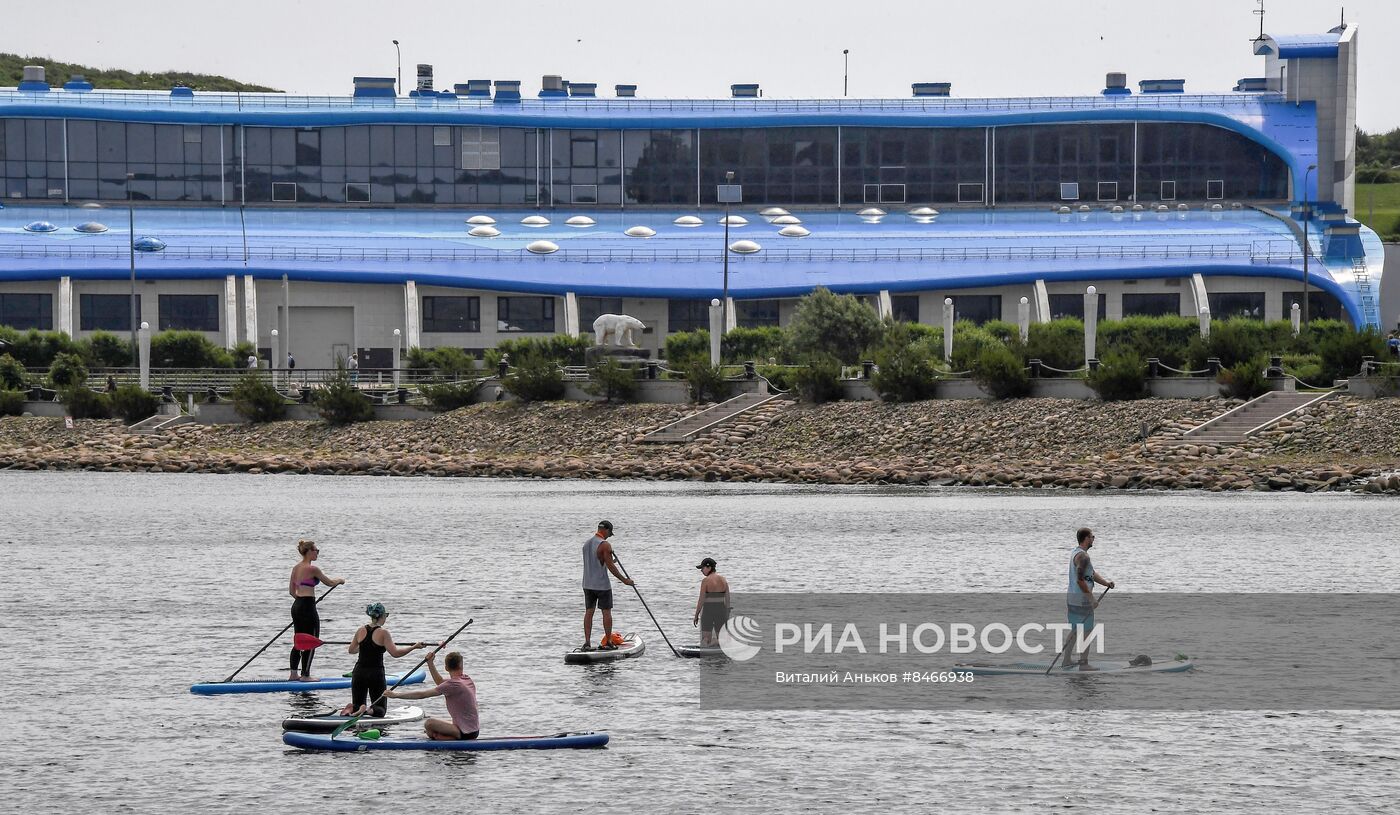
[(846, 71), (397, 345), (724, 301), (398, 58), (131, 249), (1307, 216)]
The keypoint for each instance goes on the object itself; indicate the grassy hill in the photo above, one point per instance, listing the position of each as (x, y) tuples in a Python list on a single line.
[(12, 70), (1384, 201)]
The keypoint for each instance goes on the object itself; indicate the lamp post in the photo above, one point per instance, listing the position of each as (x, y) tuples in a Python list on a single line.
[(845, 71), (398, 58), (724, 301), (131, 251), (397, 335), (1307, 216)]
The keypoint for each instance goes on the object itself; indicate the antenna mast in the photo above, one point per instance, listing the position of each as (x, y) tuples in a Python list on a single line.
[(1259, 12)]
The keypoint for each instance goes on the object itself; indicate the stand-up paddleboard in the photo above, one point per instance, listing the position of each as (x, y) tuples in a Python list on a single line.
[(699, 651), (276, 685), (632, 646), (1109, 666), (345, 743), (325, 723)]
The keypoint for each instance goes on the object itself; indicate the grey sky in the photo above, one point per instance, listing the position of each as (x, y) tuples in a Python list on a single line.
[(696, 49)]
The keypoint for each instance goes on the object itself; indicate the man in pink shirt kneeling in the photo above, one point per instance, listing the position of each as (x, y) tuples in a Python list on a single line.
[(460, 691)]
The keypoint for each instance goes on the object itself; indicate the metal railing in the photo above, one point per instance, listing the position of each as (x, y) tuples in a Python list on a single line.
[(221, 379)]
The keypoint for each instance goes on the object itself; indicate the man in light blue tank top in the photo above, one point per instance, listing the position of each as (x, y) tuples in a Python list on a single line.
[(1080, 595), (597, 588)]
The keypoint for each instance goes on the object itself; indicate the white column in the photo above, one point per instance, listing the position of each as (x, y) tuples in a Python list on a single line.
[(884, 307), (947, 329), (1091, 323), (1295, 316), (250, 310), (144, 341), (287, 314), (1042, 302), (716, 316), (571, 326), (65, 304), (273, 364), (412, 314), (230, 311), (1204, 317), (1023, 318), (398, 345), (1198, 293), (732, 320)]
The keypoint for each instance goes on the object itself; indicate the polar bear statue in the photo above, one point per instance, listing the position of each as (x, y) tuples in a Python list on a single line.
[(622, 328)]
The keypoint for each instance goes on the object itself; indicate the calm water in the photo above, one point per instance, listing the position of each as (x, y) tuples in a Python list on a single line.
[(120, 590)]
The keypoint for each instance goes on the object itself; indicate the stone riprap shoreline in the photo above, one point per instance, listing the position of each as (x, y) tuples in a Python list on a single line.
[(1341, 444)]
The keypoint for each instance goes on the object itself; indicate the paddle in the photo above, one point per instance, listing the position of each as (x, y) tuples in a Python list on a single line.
[(645, 606), (274, 639), (421, 663), (1069, 641), (307, 642)]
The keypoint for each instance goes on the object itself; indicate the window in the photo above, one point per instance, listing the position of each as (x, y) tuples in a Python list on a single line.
[(1215, 190), (1321, 305), (591, 308), (26, 311), (1108, 190), (1168, 190), (442, 136), (872, 193), (1152, 305), (970, 193), (891, 193), (755, 313), (1072, 305), (455, 315), (284, 191), (979, 308), (905, 308), (194, 134), (1248, 304), (481, 148), (525, 314), (106, 312), (687, 315), (583, 193), (356, 193), (1069, 191), (189, 312)]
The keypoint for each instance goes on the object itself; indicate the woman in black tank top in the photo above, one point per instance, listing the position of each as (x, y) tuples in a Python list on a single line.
[(371, 643)]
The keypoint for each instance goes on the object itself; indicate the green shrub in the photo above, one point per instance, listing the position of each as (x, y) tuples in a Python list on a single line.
[(1316, 332), (561, 349), (1166, 338), (450, 395), (781, 377), (1305, 367), (11, 402), (971, 340), (1058, 343), (446, 361), (1245, 380), (187, 349), (1122, 375), (67, 371), (84, 403), (1237, 340), (133, 403), (685, 346), (1339, 355), (37, 349), (255, 399), (1001, 373), (340, 402), (241, 351), (752, 344), (106, 350), (13, 376), (612, 380), (833, 325), (534, 378), (906, 370), (707, 382), (820, 380)]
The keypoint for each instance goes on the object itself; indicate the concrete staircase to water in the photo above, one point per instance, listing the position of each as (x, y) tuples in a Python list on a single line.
[(168, 417), (1234, 426), (711, 419)]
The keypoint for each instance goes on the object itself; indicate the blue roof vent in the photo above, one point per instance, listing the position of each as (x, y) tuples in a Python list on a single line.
[(585, 90), (626, 91), (33, 79), (745, 91), (507, 90), (553, 86), (446, 94), (1116, 84), (148, 244), (933, 88), (373, 86), (78, 83), (1162, 86), (1252, 84), (40, 226), (474, 89), (181, 92)]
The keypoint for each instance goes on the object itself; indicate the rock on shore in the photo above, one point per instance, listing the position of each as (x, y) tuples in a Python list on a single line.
[(1343, 444)]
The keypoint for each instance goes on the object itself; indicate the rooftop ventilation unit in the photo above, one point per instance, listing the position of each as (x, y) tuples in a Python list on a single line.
[(933, 88), (626, 91), (1162, 86), (77, 82), (474, 89), (425, 77), (552, 86), (181, 92), (586, 90), (1116, 84), (507, 90), (1252, 84), (745, 91), (374, 86), (33, 79)]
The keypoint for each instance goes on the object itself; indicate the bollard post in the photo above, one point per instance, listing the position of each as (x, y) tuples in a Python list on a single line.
[(1035, 368), (1275, 366), (1154, 367), (167, 394), (1214, 365), (212, 396), (1093, 365), (1368, 364), (306, 396), (867, 369), (652, 366), (503, 367), (749, 372), (403, 396)]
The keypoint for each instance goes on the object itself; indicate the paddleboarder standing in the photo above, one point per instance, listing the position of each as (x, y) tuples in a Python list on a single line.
[(597, 588), (302, 587), (712, 607), (1080, 596)]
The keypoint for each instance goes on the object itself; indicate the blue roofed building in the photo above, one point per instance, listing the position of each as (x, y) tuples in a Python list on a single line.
[(463, 217)]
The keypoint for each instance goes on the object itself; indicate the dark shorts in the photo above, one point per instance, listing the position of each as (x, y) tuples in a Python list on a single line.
[(713, 616), (467, 736), (602, 598)]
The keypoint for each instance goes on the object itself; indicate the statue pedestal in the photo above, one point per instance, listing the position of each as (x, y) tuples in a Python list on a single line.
[(625, 356)]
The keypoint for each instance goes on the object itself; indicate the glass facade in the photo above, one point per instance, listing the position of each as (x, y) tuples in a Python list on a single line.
[(452, 315), (687, 315), (26, 311), (1152, 305), (755, 313), (591, 308), (514, 166), (1072, 305), (188, 312), (106, 312), (1321, 305), (535, 314), (979, 308), (905, 307), (1225, 305)]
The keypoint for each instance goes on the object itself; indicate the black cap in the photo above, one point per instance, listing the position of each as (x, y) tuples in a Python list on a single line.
[(605, 525), (709, 561)]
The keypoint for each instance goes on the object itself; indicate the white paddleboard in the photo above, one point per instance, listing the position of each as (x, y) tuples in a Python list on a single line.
[(632, 646), (1110, 666), (330, 721), (697, 651)]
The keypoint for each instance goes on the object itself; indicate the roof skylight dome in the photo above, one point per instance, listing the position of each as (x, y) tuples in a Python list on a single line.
[(785, 220), (542, 248), (794, 231), (481, 220), (535, 220), (772, 212), (580, 220), (90, 228), (640, 232), (744, 247), (484, 231), (871, 212), (40, 226), (148, 244), (734, 220), (923, 212), (687, 220)]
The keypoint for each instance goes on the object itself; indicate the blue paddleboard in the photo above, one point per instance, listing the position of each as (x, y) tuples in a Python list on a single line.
[(283, 685), (350, 743)]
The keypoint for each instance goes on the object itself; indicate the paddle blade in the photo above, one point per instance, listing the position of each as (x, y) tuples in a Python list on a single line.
[(306, 642)]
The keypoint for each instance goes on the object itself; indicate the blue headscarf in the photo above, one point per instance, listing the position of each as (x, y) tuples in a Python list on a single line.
[(375, 610)]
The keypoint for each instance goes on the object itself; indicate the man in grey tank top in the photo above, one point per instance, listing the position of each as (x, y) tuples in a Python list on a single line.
[(597, 588)]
